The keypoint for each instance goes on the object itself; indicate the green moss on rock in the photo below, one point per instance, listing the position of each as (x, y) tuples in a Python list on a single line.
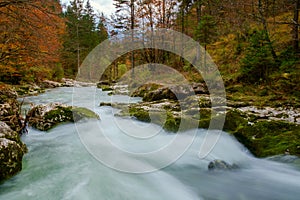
[(172, 123), (266, 138), (140, 113), (81, 113), (106, 88), (45, 117), (143, 90)]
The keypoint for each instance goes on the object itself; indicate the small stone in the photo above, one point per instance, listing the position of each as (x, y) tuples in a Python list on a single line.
[(221, 165)]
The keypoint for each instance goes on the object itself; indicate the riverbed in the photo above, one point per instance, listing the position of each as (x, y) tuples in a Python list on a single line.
[(72, 161)]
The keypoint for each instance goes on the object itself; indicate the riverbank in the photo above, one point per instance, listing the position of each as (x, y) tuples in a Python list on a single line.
[(12, 149), (13, 123), (264, 130)]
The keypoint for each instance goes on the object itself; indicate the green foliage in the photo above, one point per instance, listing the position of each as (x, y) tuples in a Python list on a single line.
[(258, 61), (122, 69), (206, 30), (84, 33), (288, 59), (58, 72)]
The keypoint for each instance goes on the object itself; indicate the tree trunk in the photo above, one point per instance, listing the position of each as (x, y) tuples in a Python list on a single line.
[(265, 27), (132, 36), (295, 27)]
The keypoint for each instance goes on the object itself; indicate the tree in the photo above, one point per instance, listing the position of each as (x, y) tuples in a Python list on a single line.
[(71, 51), (296, 26), (101, 28), (125, 13), (206, 30), (256, 65), (83, 34), (30, 38)]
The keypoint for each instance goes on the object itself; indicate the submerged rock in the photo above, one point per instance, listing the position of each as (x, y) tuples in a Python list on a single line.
[(45, 117), (221, 165), (284, 158), (12, 150)]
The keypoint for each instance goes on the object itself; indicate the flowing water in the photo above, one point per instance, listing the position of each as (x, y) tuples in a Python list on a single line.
[(59, 166)]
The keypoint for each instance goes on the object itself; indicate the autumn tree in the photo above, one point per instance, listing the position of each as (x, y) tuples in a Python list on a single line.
[(30, 38)]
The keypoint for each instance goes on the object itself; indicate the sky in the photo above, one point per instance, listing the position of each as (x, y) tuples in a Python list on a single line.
[(105, 6)]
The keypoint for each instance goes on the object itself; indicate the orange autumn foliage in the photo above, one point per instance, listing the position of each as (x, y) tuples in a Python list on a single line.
[(30, 36)]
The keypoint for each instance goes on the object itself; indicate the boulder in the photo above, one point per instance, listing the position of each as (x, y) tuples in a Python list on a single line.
[(12, 150), (105, 85), (10, 108), (29, 89), (68, 82), (74, 83), (105, 104), (154, 92), (45, 117), (221, 165), (200, 88), (50, 84), (145, 89)]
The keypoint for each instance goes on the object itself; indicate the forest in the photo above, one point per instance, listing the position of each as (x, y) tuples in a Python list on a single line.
[(255, 44)]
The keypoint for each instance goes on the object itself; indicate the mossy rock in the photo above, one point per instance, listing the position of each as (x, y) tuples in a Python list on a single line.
[(205, 118), (29, 89), (45, 117), (172, 123), (234, 120), (83, 113), (267, 138), (12, 150), (140, 114), (143, 90), (105, 88)]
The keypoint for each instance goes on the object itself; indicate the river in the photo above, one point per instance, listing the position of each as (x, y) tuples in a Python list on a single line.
[(59, 165)]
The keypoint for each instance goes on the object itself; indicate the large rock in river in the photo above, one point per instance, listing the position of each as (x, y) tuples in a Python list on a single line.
[(154, 92), (12, 150), (45, 117)]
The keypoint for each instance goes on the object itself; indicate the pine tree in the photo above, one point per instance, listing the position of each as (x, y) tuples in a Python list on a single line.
[(83, 34)]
